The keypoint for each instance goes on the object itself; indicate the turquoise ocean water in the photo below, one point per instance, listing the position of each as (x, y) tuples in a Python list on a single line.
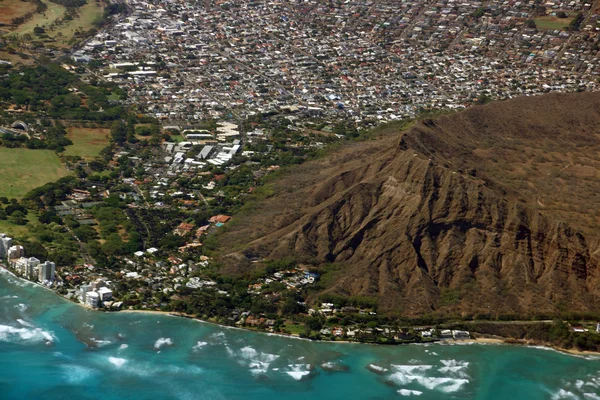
[(51, 349)]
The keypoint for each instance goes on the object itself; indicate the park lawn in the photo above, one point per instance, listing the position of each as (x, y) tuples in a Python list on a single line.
[(294, 328), (27, 169), (20, 232), (550, 22), (16, 59), (53, 13), (177, 138), (87, 142), (84, 22), (10, 9)]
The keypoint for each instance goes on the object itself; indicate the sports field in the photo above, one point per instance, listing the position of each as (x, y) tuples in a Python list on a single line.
[(550, 22), (23, 169), (87, 142)]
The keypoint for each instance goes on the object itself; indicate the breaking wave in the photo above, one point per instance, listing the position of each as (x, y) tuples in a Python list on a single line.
[(408, 392), (29, 334), (298, 371), (257, 362), (416, 374), (160, 343)]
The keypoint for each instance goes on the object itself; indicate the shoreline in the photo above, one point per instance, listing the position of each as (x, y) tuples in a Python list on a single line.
[(477, 340)]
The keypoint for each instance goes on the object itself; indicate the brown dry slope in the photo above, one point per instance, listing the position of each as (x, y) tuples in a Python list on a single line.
[(493, 210)]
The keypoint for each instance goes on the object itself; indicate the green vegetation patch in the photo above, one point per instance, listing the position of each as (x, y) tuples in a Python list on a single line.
[(551, 22), (25, 169), (87, 142), (53, 13)]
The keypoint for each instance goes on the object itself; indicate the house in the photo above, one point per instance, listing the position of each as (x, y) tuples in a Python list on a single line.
[(458, 334), (183, 229), (219, 218)]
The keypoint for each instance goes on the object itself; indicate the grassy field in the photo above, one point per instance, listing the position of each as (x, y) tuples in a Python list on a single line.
[(10, 9), (20, 231), (87, 142), (87, 15), (62, 32), (16, 59), (27, 169), (53, 13), (550, 22)]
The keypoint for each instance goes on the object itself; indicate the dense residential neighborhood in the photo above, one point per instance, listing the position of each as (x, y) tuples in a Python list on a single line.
[(359, 61)]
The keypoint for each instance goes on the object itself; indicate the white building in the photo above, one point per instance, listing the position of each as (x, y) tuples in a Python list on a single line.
[(14, 252), (5, 244), (83, 291), (27, 267), (46, 271), (92, 299), (105, 294)]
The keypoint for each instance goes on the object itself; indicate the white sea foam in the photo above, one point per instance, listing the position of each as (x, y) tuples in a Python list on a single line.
[(25, 323), (9, 297), (76, 374), (163, 342), (123, 346), (117, 362), (100, 342), (298, 371), (258, 367), (257, 362), (218, 335), (21, 307), (563, 394), (147, 369), (27, 335), (455, 368), (591, 396), (407, 374), (198, 346), (408, 392), (412, 368), (248, 352), (377, 368)]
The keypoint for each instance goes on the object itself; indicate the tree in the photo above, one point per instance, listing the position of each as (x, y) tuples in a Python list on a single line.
[(35, 249), (18, 218), (118, 132), (48, 217), (85, 233), (38, 30)]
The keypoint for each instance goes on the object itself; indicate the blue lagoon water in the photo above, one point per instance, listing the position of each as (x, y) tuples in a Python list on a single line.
[(52, 349)]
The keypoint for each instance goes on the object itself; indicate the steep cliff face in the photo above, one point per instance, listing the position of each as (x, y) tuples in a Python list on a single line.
[(424, 221)]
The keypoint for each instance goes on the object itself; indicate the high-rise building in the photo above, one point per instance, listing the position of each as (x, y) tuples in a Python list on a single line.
[(27, 267), (5, 243), (105, 294), (15, 252), (92, 299), (83, 290), (46, 271)]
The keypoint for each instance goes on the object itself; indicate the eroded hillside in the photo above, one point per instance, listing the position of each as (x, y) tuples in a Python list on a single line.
[(490, 210)]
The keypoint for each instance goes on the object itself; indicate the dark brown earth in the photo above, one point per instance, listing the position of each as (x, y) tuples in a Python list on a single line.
[(492, 210)]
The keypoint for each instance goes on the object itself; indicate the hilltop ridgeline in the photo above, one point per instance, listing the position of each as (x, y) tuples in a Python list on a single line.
[(492, 210)]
